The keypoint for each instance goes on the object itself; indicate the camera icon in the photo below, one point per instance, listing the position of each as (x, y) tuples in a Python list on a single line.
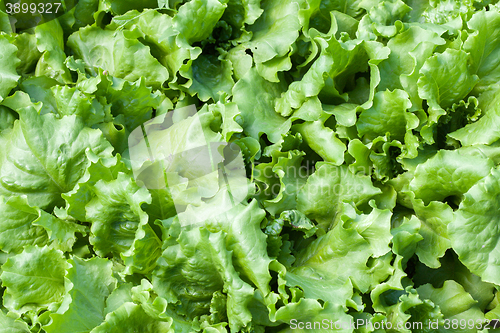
[(180, 156)]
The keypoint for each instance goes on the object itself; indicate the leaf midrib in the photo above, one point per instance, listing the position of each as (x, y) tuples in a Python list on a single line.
[(38, 158)]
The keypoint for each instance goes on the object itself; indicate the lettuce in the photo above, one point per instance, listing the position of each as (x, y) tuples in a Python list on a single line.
[(250, 166)]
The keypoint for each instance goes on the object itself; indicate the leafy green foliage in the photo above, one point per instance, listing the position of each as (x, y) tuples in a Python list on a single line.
[(251, 166)]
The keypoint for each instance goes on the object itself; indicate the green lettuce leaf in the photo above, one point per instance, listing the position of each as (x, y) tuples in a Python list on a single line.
[(254, 97), (80, 15), (455, 304), (484, 130), (309, 314), (408, 308), (446, 12), (64, 100), (434, 220), (195, 20), (142, 255), (375, 228), (229, 113), (323, 140), (50, 42), (452, 269), (434, 85), (33, 279), (61, 232), (121, 7), (27, 52), (8, 324), (327, 75), (241, 62), (245, 238), (273, 34), (7, 118), (322, 197), (120, 226), (292, 177), (46, 157), (157, 31), (383, 294), (406, 59), (210, 76), (178, 266), (482, 45), (8, 64), (87, 284), (448, 174), (100, 168), (17, 229), (317, 16), (406, 236), (387, 115), (5, 25), (133, 317), (257, 166), (134, 100), (37, 89), (383, 19), (333, 264), (238, 13), (473, 231), (117, 53)]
